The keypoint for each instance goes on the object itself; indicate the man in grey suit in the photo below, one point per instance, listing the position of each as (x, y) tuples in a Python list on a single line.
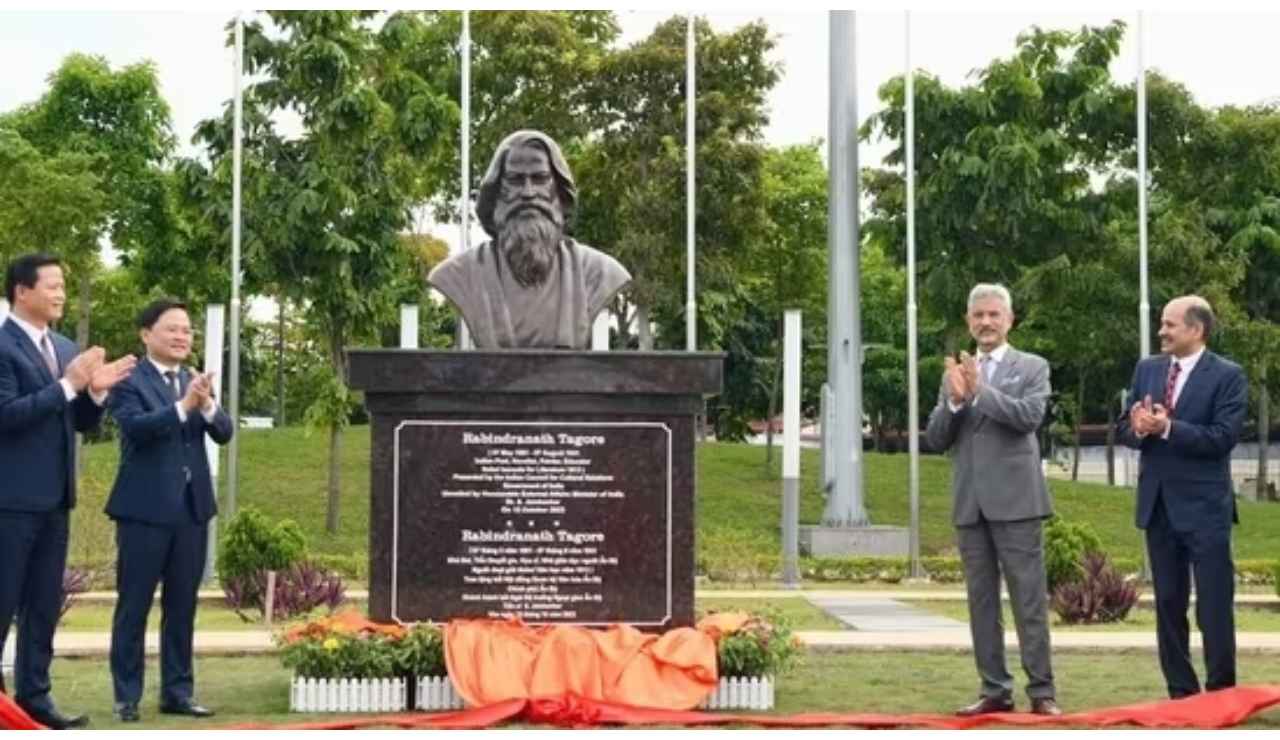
[(987, 415)]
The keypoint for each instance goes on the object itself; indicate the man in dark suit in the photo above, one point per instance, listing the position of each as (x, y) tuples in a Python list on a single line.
[(987, 415), (48, 391), (162, 503), (1186, 409)]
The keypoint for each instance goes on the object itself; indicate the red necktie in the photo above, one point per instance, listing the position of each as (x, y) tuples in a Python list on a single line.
[(1174, 368)]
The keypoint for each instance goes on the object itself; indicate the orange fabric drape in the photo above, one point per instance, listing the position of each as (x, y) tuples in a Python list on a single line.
[(492, 661)]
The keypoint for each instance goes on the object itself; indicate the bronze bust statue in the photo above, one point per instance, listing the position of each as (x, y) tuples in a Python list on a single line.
[(530, 285)]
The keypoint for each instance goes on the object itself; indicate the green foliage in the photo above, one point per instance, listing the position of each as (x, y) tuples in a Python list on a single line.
[(342, 656), (1275, 576), (1065, 546), (251, 542), (328, 653), (763, 646), (421, 652)]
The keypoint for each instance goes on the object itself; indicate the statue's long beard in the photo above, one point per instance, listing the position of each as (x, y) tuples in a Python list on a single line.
[(529, 239)]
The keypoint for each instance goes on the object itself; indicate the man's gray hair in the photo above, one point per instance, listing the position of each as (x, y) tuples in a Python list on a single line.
[(990, 290)]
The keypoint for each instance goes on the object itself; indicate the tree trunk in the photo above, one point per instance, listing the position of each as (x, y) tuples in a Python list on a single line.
[(1264, 434), (1075, 464), (336, 342), (642, 328), (280, 365), (82, 339)]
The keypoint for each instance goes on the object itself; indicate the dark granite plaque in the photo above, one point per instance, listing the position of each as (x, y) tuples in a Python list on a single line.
[(564, 522), (640, 494)]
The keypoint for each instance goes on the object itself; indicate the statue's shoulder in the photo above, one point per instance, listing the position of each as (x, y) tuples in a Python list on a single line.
[(598, 264), (460, 269)]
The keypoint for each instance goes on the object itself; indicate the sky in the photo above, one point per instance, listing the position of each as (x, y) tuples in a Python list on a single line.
[(1223, 58)]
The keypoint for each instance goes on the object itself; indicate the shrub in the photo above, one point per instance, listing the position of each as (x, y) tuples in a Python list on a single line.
[(252, 544), (761, 647), (75, 581), (300, 589), (1065, 546), (1275, 577), (1100, 595)]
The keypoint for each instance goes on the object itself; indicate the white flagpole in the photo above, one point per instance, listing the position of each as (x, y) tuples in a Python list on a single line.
[(691, 304), (233, 375), (1144, 307), (913, 361)]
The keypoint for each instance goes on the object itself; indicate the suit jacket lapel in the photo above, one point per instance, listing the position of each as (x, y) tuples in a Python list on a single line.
[(1195, 380), (32, 352), (1004, 367)]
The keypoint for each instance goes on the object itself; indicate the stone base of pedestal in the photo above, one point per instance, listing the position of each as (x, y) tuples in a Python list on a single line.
[(868, 541)]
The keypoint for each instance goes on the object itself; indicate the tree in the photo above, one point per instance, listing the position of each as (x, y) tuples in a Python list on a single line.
[(118, 121), (50, 203), (327, 207), (634, 171)]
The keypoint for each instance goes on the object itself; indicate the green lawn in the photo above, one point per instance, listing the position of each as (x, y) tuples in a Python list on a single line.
[(283, 472), (1141, 618), (255, 689)]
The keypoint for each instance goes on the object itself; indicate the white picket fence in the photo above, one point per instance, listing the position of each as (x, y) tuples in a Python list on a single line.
[(436, 693), (742, 692), (347, 695)]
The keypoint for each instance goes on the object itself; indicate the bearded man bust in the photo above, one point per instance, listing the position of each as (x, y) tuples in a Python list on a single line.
[(531, 285)]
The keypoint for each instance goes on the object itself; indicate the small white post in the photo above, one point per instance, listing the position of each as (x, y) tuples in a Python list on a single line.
[(600, 332), (4, 310), (214, 318), (791, 449), (408, 326), (269, 604)]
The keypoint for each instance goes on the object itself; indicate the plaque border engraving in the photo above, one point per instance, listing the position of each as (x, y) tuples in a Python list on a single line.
[(395, 494)]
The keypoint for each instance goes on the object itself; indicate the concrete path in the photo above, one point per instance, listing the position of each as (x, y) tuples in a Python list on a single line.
[(883, 615)]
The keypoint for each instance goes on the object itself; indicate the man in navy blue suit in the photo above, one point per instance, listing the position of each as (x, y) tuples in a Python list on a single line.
[(1186, 409), (48, 391), (162, 503)]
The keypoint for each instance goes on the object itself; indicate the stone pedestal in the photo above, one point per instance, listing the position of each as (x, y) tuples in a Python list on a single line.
[(556, 486), (869, 541)]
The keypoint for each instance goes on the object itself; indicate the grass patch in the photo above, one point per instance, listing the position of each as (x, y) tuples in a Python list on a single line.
[(255, 688), (1142, 618), (283, 473), (799, 614)]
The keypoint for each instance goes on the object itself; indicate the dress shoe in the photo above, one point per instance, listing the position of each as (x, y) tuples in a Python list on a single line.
[(55, 720), (1046, 706), (986, 705), (188, 708), (126, 712)]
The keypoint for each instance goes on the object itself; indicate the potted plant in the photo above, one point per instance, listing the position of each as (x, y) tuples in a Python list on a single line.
[(337, 669), (749, 658), (420, 653)]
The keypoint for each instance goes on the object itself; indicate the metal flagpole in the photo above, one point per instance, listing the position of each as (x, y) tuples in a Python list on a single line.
[(845, 506), (1144, 305), (691, 304), (464, 197), (913, 366), (233, 375)]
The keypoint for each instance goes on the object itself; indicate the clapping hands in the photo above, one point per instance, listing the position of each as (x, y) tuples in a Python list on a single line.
[(1148, 418), (962, 378)]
